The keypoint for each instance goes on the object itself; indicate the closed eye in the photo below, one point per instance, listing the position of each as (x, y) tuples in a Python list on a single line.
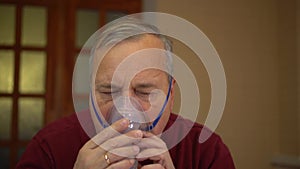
[(107, 89), (108, 92), (142, 93)]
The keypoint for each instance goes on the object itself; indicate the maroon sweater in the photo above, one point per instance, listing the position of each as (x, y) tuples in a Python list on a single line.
[(57, 145)]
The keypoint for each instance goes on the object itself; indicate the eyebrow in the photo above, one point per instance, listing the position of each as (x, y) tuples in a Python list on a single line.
[(106, 86), (112, 87), (145, 85)]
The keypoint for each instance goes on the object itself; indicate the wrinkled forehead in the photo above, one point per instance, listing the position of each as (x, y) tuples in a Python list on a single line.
[(129, 59), (145, 61)]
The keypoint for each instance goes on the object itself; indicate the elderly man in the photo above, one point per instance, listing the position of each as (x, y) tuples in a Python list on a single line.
[(99, 142)]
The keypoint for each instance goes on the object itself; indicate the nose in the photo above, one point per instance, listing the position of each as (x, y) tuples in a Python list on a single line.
[(128, 93), (128, 104), (128, 107)]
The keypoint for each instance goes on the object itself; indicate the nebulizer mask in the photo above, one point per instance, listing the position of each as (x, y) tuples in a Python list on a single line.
[(129, 108)]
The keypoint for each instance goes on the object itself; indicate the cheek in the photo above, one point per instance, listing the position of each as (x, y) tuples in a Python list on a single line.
[(145, 105), (155, 106), (166, 114), (163, 121), (167, 111), (104, 107)]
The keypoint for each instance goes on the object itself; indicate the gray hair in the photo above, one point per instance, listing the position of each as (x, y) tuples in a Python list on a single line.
[(129, 28)]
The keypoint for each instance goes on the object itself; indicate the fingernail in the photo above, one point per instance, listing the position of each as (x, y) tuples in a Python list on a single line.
[(136, 149), (139, 134), (124, 122)]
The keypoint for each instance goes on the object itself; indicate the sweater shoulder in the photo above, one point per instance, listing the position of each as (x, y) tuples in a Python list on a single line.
[(59, 128), (193, 128)]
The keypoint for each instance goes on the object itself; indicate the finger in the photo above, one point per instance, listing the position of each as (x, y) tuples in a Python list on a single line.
[(150, 135), (151, 142), (119, 154), (153, 158), (153, 166), (151, 153), (114, 156), (132, 137), (109, 132), (99, 161), (114, 144), (124, 164)]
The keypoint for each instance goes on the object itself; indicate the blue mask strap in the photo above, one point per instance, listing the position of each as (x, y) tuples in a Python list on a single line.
[(163, 108), (96, 113)]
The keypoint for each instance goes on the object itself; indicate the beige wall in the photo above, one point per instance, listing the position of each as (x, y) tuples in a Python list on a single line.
[(298, 47), (288, 78), (256, 40)]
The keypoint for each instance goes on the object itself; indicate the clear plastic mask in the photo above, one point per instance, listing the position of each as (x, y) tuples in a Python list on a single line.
[(131, 109)]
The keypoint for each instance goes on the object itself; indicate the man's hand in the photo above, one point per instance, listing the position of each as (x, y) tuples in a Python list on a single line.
[(110, 149), (153, 148)]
